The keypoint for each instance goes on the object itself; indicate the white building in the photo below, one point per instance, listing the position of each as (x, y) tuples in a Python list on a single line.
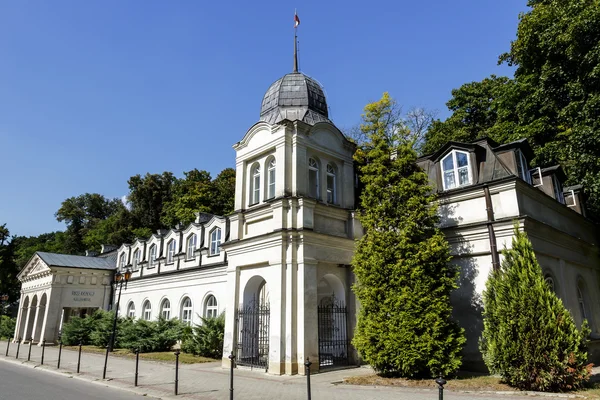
[(279, 266)]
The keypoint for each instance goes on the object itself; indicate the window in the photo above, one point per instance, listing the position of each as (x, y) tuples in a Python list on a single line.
[(271, 176), (152, 256), (550, 281), (581, 300), (147, 311), (455, 170), (122, 261), (136, 259), (255, 185), (170, 251), (331, 183), (186, 311), (215, 242), (165, 309), (211, 309), (522, 169), (191, 246), (558, 191), (313, 178), (131, 310)]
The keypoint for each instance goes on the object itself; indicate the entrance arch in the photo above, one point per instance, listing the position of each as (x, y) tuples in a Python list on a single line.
[(20, 333), (334, 346), (252, 321), (31, 318), (39, 318)]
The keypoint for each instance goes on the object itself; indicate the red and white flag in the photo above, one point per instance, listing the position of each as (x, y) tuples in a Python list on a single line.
[(296, 20)]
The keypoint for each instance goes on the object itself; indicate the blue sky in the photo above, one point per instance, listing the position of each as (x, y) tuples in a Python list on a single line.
[(93, 92)]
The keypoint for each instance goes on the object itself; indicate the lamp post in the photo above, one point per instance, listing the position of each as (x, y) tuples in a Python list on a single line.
[(120, 278)]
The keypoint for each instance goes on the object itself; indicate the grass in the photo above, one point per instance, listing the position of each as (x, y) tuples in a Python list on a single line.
[(164, 356)]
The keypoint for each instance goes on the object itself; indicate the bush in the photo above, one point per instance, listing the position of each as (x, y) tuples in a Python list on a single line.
[(151, 336), (7, 326), (79, 330), (206, 339), (529, 337), (102, 329)]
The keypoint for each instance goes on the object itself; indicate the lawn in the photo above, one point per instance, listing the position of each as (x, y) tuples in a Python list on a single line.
[(165, 356)]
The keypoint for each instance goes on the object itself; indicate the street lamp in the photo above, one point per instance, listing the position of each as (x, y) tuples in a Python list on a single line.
[(120, 278)]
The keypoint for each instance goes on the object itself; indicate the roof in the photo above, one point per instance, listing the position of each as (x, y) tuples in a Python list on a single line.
[(65, 260), (295, 96)]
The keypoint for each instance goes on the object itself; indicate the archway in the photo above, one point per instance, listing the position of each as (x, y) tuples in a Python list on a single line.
[(334, 346), (23, 319), (39, 317), (252, 321), (30, 318)]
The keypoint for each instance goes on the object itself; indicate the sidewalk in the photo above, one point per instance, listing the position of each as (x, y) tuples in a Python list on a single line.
[(210, 381)]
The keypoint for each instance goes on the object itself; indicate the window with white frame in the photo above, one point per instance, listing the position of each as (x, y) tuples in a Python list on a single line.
[(131, 310), (122, 261), (170, 251), (455, 170), (215, 242), (191, 246), (558, 190), (186, 311), (147, 311), (522, 168), (211, 308), (137, 255), (331, 184), (165, 309), (271, 177), (313, 178), (255, 184), (153, 255)]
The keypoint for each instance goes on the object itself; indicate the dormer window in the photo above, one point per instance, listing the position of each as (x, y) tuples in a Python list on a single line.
[(153, 255), (455, 170), (522, 169), (313, 178), (122, 261), (191, 246), (558, 190), (136, 259), (170, 251)]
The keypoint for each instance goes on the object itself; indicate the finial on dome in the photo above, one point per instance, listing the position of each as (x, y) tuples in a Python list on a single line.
[(296, 23)]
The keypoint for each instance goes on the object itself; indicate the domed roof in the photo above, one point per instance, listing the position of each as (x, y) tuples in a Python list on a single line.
[(294, 97)]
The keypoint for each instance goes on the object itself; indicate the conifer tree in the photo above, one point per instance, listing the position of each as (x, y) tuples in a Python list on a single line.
[(404, 278), (529, 337)]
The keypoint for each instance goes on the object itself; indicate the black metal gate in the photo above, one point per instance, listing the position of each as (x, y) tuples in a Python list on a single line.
[(333, 334), (253, 335)]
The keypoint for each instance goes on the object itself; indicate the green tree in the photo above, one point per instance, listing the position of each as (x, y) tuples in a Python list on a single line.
[(529, 337), (224, 192), (116, 229), (9, 284), (191, 194), (147, 197), (404, 278)]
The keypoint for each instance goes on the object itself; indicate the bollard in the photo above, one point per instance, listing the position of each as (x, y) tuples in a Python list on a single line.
[(137, 363), (307, 364), (231, 365), (59, 352), (177, 371), (441, 382), (79, 357), (18, 347), (7, 347), (43, 349), (105, 362), (30, 346)]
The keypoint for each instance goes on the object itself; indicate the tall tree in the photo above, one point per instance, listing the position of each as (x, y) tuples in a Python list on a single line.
[(25, 247), (224, 196), (404, 278), (529, 337), (189, 195), (9, 284), (147, 197)]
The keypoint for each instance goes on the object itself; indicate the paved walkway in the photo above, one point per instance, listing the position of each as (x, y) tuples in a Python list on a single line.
[(210, 381)]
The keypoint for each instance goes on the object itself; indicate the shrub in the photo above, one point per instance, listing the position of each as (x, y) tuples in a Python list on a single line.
[(529, 337), (7, 326), (151, 336), (79, 330), (207, 338), (103, 326)]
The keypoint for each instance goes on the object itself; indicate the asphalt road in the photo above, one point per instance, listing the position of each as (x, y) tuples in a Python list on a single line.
[(23, 383)]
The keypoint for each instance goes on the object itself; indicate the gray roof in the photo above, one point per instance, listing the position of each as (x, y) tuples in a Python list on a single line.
[(65, 260), (295, 96)]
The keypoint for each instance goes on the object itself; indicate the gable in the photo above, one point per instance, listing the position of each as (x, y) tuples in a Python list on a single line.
[(35, 266)]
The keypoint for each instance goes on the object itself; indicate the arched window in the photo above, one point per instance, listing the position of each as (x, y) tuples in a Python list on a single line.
[(455, 170), (152, 256), (186, 311), (331, 184), (211, 308), (271, 177), (191, 246), (165, 309), (122, 261), (215, 242), (255, 185), (313, 178), (170, 251), (582, 301), (137, 255), (550, 281), (131, 310), (147, 311)]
